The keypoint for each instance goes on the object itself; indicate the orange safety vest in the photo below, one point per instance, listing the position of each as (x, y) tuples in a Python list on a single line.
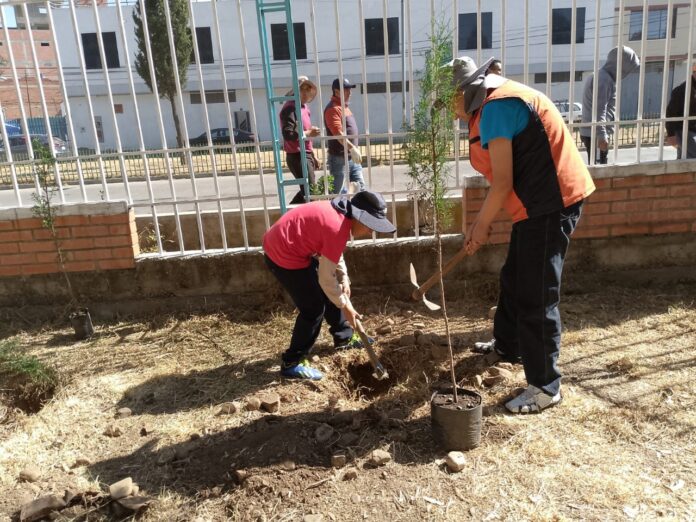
[(548, 171)]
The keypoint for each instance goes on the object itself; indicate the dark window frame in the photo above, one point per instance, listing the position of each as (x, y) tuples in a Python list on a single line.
[(381, 87), (205, 46), (374, 36), (635, 31), (561, 21), (468, 31), (281, 46), (90, 49), (212, 96)]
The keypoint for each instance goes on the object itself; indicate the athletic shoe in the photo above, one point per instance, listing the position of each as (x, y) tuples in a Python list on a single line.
[(533, 400), (353, 342), (301, 370)]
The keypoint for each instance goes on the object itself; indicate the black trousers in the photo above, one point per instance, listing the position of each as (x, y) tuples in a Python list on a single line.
[(313, 307), (528, 322), (294, 162), (603, 154)]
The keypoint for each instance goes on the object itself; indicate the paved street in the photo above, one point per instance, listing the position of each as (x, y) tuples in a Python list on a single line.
[(382, 178)]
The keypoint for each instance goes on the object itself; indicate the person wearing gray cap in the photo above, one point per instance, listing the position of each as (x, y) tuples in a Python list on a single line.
[(333, 120), (520, 143), (304, 251)]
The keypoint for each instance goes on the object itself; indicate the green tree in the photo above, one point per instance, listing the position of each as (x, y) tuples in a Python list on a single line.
[(161, 55), (430, 140)]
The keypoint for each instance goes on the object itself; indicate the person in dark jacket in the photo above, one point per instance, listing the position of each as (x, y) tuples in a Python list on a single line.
[(675, 108), (291, 137), (606, 100)]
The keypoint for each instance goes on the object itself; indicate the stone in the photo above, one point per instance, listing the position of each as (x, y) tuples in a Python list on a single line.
[(355, 498), (182, 451), (379, 458), (40, 508), (389, 321), (113, 431), (384, 329), (135, 490), (455, 461), (228, 408), (288, 465), (240, 475), (121, 489), (122, 413), (315, 358), (31, 473), (439, 352), (166, 456), (499, 371), (491, 312), (81, 461), (478, 381), (338, 460), (419, 326), (313, 518), (253, 404), (135, 504), (323, 433), (270, 402), (492, 380), (350, 474), (407, 340), (424, 340)]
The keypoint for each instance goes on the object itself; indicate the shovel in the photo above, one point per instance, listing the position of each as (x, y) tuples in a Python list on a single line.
[(379, 372), (419, 293)]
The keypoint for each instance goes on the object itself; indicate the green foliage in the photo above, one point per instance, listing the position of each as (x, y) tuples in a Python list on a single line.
[(430, 137), (324, 185), (44, 160), (14, 364)]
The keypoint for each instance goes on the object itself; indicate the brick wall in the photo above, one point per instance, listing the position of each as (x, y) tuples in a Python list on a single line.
[(93, 236), (663, 203)]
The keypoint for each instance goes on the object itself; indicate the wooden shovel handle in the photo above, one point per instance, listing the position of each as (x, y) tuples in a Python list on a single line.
[(374, 361), (422, 289)]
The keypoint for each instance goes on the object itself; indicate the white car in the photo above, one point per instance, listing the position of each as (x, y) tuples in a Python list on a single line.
[(564, 108)]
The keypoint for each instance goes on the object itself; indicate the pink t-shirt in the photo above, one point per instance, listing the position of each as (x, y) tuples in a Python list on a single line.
[(311, 229)]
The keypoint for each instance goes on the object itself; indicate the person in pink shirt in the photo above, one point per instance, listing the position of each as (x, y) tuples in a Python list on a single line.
[(304, 251)]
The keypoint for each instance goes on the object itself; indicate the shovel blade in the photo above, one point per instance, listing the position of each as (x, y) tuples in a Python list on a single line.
[(414, 279), (416, 293)]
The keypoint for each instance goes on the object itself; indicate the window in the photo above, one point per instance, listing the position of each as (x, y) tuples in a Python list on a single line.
[(10, 17), (381, 87), (90, 46), (557, 77), (205, 46), (562, 20), (657, 24), (281, 47), (374, 36), (118, 108), (45, 44), (213, 96), (468, 36)]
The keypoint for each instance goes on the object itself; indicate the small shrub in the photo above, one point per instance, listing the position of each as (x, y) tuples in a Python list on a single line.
[(28, 383)]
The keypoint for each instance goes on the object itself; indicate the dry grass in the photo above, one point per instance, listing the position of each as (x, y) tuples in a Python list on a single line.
[(621, 446)]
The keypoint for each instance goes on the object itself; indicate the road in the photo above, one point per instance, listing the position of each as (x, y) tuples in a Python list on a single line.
[(253, 186)]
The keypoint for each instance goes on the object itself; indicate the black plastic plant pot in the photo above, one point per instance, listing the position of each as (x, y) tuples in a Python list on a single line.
[(456, 426), (82, 324)]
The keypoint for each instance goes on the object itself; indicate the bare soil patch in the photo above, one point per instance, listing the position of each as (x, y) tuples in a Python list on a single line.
[(622, 444)]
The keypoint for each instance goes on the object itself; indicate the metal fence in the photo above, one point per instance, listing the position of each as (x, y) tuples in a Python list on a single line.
[(118, 133)]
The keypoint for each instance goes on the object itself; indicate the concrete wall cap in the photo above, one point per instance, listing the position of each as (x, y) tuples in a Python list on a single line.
[(98, 208)]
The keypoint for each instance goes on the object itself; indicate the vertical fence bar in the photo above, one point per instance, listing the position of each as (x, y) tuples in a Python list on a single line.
[(455, 122), (230, 126), (8, 155), (322, 127), (183, 125), (160, 121), (503, 23), (619, 79), (68, 114), (593, 131), (525, 44), (479, 36), (204, 104), (689, 78), (571, 74), (390, 129), (641, 75), (139, 130), (665, 77), (412, 103), (20, 99), (250, 90), (365, 97), (88, 99), (110, 97), (549, 51), (42, 98), (346, 166)]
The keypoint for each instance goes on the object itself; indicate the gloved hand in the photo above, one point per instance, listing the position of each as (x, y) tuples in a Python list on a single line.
[(355, 155)]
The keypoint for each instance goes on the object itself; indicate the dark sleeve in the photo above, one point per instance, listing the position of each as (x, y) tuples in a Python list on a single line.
[(675, 108), (288, 120)]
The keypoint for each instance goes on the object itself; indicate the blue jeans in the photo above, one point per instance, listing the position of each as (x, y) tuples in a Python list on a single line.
[(528, 322), (313, 306), (336, 166)]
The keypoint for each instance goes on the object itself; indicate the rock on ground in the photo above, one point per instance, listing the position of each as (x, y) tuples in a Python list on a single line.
[(253, 404), (31, 473), (313, 518), (323, 433), (350, 474), (270, 402), (379, 457), (40, 508), (338, 460), (455, 461), (113, 431), (228, 408), (121, 489), (384, 329), (122, 413), (136, 503)]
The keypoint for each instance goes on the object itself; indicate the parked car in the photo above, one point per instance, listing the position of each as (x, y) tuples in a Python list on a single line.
[(221, 136), (564, 108), (18, 146)]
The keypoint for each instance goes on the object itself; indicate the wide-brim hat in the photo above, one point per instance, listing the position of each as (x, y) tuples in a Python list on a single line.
[(369, 208), (472, 80), (303, 80)]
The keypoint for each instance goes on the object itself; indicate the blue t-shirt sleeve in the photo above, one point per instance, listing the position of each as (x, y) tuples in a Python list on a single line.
[(504, 118)]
